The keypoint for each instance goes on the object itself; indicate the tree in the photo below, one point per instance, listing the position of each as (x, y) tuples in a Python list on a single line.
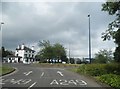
[(48, 51), (113, 31), (6, 52), (44, 43), (103, 56), (59, 52)]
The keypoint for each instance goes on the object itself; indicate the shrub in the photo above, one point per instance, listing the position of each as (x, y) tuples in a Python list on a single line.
[(113, 68), (92, 69), (99, 69), (111, 79)]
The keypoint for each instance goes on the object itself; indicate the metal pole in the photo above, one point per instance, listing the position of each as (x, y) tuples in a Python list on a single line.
[(1, 25), (89, 40), (69, 54)]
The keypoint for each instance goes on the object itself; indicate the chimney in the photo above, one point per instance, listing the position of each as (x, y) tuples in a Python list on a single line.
[(32, 48), (22, 46), (18, 47)]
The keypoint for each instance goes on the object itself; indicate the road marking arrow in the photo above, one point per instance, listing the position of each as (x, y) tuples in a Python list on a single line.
[(27, 73), (60, 73)]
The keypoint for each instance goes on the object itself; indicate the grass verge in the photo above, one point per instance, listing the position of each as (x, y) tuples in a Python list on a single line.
[(6, 70), (56, 65)]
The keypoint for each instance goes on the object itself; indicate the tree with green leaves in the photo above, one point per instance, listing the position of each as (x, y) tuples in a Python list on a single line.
[(113, 31), (103, 56), (48, 51), (5, 52)]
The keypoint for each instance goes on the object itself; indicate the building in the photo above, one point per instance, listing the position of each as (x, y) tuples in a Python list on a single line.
[(23, 54), (11, 59), (27, 54)]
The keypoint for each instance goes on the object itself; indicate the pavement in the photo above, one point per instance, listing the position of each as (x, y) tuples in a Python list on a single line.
[(28, 76)]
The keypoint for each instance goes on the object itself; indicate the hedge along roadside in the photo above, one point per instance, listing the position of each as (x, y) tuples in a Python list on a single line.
[(99, 69), (106, 73)]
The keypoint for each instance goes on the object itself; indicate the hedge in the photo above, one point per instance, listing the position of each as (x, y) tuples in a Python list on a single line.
[(99, 69), (111, 79)]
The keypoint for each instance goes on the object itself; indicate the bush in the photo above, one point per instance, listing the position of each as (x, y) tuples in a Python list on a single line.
[(107, 73), (113, 68), (99, 69), (92, 69), (111, 79)]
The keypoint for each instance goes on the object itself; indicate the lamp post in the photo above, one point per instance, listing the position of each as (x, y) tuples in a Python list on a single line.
[(89, 40), (69, 54), (1, 23)]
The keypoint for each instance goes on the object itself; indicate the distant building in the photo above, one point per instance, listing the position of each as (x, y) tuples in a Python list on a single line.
[(27, 54), (23, 54), (12, 59)]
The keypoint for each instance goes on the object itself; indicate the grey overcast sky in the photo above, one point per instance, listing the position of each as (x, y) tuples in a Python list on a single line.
[(58, 22)]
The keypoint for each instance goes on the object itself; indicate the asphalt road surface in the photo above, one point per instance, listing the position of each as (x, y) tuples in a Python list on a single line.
[(29, 77)]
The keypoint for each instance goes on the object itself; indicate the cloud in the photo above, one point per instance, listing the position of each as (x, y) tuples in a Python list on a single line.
[(63, 22)]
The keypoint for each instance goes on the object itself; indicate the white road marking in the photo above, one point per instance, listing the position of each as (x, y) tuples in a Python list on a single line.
[(63, 82), (1, 81), (15, 81), (42, 74), (32, 85), (60, 73), (81, 82), (54, 82), (28, 81), (27, 73), (68, 82)]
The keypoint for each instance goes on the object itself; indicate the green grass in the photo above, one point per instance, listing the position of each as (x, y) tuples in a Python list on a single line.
[(58, 65), (106, 73), (111, 79), (5, 70)]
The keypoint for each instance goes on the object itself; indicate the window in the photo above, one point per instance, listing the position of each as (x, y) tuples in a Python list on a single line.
[(25, 55), (29, 55)]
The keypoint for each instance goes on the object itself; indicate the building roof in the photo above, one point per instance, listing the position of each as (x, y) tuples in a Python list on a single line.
[(25, 48), (12, 56)]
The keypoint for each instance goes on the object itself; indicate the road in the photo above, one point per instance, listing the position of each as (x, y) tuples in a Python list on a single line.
[(29, 77)]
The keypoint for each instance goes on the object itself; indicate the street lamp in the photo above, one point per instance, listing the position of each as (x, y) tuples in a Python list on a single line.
[(89, 40), (69, 54), (1, 25)]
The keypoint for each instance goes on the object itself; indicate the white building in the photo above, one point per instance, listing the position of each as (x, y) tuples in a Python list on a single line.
[(27, 54)]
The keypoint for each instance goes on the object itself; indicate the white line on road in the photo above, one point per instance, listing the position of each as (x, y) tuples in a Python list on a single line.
[(28, 81), (32, 85), (60, 73), (42, 74), (27, 73)]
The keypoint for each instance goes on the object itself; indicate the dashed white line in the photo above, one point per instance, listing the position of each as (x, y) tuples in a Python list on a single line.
[(32, 85), (42, 74)]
